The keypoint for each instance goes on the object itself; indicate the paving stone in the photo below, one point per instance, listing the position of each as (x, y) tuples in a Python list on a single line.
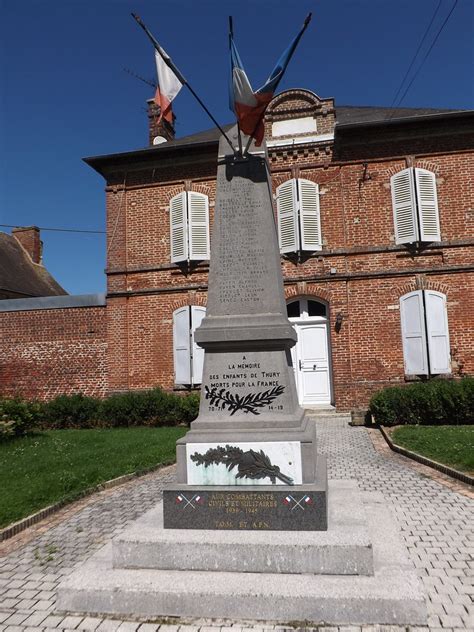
[(52, 621), (71, 622), (44, 604), (109, 625), (149, 627), (9, 603), (90, 624), (128, 626), (15, 619), (36, 620)]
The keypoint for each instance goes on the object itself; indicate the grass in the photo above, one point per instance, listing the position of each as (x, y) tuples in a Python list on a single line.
[(58, 465), (451, 445)]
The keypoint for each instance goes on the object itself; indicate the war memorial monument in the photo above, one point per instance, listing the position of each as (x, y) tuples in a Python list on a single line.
[(252, 529)]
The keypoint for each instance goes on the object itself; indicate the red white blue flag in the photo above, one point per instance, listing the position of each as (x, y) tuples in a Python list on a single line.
[(250, 106), (169, 84)]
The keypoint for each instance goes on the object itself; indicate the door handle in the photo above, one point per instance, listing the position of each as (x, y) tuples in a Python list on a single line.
[(301, 365), (314, 367)]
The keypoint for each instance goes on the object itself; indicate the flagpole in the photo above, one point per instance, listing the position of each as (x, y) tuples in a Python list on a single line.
[(170, 64), (305, 25), (231, 37)]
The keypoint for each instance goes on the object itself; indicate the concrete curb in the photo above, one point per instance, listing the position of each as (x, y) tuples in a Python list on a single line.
[(21, 525), (460, 476)]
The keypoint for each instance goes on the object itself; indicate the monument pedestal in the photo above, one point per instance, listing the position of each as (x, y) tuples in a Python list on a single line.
[(357, 572)]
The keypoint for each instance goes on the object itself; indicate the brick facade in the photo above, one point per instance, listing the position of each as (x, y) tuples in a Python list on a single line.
[(49, 352), (360, 273)]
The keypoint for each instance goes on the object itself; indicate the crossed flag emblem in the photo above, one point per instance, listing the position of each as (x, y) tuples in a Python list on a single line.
[(302, 503), (189, 502)]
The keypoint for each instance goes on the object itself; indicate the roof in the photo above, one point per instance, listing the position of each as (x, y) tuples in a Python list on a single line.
[(346, 116), (53, 302), (19, 275)]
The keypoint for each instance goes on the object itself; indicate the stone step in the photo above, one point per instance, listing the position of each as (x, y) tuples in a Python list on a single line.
[(344, 549), (393, 595)]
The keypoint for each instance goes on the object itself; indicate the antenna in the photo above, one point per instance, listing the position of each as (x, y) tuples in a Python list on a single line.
[(137, 76)]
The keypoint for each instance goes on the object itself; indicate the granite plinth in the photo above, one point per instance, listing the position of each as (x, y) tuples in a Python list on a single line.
[(392, 595), (345, 549)]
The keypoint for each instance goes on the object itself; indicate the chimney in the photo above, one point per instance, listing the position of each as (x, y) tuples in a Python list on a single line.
[(29, 238), (158, 132)]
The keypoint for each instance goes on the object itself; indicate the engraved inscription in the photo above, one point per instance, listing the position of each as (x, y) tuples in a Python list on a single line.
[(244, 386), (243, 267)]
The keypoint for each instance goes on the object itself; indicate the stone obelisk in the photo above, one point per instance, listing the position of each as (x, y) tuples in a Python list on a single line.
[(251, 435)]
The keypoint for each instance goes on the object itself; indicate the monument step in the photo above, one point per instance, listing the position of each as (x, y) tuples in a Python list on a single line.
[(326, 413), (344, 549), (392, 595)]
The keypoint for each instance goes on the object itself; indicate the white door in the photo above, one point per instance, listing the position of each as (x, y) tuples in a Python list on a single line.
[(311, 363)]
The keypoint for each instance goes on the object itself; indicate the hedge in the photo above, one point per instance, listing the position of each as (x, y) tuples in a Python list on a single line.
[(144, 408), (438, 401)]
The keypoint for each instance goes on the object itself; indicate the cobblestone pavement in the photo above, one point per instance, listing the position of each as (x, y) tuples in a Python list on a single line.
[(435, 522)]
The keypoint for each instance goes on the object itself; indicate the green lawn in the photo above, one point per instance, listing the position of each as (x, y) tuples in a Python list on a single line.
[(451, 445), (47, 467)]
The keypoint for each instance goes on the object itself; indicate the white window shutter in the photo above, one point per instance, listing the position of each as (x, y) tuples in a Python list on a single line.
[(310, 220), (404, 207), (427, 199), (413, 333), (438, 334), (198, 214), (182, 346), (178, 228), (197, 314), (287, 211)]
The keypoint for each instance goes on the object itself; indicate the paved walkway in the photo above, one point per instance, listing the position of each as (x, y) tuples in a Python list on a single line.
[(435, 520)]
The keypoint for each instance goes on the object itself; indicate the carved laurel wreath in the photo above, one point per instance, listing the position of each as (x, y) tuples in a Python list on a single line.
[(250, 464), (248, 403)]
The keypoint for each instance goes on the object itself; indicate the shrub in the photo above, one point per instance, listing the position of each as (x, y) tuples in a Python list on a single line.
[(148, 408), (17, 417), (70, 411), (141, 408), (427, 403)]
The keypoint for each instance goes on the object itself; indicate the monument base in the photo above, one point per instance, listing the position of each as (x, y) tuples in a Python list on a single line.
[(357, 572)]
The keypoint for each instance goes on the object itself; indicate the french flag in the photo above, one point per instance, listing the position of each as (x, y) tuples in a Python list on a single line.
[(170, 82), (287, 500), (307, 500), (249, 106)]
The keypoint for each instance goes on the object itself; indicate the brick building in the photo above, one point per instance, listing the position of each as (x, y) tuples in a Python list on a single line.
[(50, 342), (375, 215)]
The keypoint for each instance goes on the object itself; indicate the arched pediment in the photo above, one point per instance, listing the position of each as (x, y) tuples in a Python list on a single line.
[(294, 100)]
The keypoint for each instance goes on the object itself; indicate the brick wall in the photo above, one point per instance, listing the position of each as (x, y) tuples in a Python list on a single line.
[(48, 352)]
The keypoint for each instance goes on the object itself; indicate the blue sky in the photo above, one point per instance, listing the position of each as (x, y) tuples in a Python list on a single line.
[(64, 94)]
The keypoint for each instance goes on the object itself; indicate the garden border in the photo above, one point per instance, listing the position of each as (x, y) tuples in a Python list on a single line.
[(460, 476), (13, 529)]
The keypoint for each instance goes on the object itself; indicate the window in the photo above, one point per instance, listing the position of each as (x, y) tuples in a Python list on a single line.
[(189, 227), (305, 308), (188, 356), (299, 225), (425, 334), (415, 206)]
